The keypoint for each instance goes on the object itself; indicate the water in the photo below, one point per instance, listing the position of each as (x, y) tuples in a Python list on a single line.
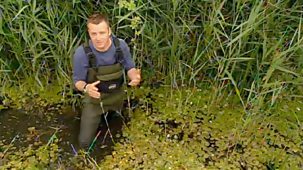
[(29, 129)]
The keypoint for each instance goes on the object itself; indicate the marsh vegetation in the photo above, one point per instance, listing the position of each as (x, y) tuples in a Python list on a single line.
[(222, 84)]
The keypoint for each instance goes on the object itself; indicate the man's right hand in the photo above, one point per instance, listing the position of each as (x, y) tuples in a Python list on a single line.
[(92, 90)]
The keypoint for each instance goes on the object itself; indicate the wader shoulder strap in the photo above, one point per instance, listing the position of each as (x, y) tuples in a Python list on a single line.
[(91, 56), (119, 52)]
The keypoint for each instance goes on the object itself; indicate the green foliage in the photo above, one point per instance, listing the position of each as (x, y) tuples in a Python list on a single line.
[(33, 158), (178, 129), (231, 45), (181, 129), (245, 51), (34, 100)]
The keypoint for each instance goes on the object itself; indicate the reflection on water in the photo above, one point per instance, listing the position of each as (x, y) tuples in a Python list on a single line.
[(28, 129)]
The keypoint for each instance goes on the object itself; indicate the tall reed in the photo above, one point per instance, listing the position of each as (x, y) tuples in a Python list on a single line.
[(251, 49)]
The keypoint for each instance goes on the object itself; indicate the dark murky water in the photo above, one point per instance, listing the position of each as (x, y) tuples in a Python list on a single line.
[(38, 129)]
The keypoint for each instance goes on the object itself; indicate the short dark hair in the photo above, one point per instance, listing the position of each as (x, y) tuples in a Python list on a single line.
[(97, 18)]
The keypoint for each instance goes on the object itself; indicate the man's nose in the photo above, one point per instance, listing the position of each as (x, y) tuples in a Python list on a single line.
[(98, 37)]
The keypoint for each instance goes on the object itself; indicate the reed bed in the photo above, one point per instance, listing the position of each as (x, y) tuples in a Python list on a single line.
[(248, 48), (241, 57)]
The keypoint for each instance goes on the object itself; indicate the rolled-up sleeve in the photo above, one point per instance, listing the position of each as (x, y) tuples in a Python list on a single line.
[(80, 65)]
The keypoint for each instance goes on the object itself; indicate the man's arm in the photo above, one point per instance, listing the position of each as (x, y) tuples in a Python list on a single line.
[(80, 65), (90, 89), (80, 85), (135, 76)]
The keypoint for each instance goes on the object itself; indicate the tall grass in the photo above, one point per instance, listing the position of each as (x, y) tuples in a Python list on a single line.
[(251, 49)]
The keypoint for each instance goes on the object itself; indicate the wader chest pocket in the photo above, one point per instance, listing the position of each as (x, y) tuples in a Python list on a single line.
[(110, 86)]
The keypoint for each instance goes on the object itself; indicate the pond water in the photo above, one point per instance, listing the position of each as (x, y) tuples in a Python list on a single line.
[(21, 130)]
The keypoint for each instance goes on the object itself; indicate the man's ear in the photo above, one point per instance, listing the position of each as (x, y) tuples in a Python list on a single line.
[(109, 31)]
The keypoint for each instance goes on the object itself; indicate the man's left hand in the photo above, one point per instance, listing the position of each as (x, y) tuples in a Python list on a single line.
[(135, 76)]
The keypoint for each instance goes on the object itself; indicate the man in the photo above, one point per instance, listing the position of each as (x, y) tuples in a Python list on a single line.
[(98, 72)]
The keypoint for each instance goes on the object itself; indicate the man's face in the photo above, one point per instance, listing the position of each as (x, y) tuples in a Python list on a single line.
[(100, 35)]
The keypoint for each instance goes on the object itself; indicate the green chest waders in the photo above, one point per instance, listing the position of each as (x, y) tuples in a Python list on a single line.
[(110, 86), (111, 79), (112, 93)]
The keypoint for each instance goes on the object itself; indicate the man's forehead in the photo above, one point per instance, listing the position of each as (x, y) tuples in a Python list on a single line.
[(101, 24)]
